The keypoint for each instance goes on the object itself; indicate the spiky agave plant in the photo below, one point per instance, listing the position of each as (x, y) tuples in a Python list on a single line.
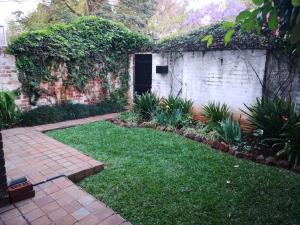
[(271, 115), (215, 112), (230, 130), (146, 105), (173, 104)]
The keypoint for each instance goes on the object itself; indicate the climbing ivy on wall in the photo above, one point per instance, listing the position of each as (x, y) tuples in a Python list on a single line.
[(90, 47), (192, 41)]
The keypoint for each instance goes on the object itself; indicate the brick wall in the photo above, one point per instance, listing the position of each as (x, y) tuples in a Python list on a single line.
[(54, 92), (9, 78)]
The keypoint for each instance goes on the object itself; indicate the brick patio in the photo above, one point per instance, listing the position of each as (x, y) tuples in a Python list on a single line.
[(31, 153)]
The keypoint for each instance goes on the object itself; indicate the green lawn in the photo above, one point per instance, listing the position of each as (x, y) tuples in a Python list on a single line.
[(153, 177)]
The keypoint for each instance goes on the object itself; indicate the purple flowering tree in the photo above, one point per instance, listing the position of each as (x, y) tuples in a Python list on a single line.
[(173, 17)]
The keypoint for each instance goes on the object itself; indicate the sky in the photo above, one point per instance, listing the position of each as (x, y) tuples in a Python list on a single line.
[(7, 7)]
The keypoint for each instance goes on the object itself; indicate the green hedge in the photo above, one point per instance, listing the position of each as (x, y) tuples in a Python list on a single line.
[(53, 114)]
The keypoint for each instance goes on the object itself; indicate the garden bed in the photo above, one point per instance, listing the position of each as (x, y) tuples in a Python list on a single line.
[(218, 145)]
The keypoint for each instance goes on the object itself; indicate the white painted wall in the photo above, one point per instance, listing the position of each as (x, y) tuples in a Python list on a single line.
[(223, 76)]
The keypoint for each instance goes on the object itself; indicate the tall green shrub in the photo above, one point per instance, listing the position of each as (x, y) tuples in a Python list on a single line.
[(271, 115), (146, 105), (215, 112), (230, 130), (9, 112)]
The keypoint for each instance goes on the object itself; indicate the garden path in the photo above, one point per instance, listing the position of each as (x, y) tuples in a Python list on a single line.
[(31, 153)]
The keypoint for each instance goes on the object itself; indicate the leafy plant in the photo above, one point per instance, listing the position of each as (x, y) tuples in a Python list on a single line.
[(130, 117), (146, 105), (205, 132), (172, 104), (9, 112), (215, 112), (230, 130), (174, 111), (271, 115), (289, 143)]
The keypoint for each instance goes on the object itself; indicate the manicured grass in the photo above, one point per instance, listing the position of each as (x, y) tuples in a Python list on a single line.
[(160, 178)]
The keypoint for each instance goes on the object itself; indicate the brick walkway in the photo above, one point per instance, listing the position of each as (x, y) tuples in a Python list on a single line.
[(30, 153)]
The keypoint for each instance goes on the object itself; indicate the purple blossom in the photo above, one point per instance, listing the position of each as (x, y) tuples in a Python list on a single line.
[(214, 12)]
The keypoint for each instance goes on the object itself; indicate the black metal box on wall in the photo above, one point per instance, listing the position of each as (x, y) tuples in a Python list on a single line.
[(162, 69)]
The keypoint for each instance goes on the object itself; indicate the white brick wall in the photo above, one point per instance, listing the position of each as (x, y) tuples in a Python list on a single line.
[(224, 76)]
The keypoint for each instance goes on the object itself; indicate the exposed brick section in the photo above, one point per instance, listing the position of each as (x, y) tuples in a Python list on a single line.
[(54, 92)]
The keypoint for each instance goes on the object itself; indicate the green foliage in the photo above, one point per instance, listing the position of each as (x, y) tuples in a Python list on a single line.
[(133, 13), (172, 104), (230, 130), (208, 39), (53, 114), (130, 117), (146, 105), (289, 143), (9, 112), (174, 111), (207, 133), (271, 115), (175, 118), (214, 112), (274, 18), (90, 47), (212, 37)]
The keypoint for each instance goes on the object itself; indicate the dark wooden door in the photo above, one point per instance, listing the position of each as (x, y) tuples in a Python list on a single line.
[(143, 73)]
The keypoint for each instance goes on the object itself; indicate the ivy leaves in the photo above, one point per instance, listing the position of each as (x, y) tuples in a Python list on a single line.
[(90, 47), (208, 39)]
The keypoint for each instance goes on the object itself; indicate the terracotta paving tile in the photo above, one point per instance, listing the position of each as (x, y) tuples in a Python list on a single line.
[(50, 207), (113, 220), (80, 213), (19, 220), (104, 213), (65, 200), (34, 214), (90, 220), (28, 207), (44, 220), (86, 200), (72, 207), (57, 214), (6, 208), (44, 200), (9, 215), (58, 195), (65, 220)]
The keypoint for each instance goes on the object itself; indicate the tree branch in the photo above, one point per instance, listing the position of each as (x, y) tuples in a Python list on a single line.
[(71, 9)]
